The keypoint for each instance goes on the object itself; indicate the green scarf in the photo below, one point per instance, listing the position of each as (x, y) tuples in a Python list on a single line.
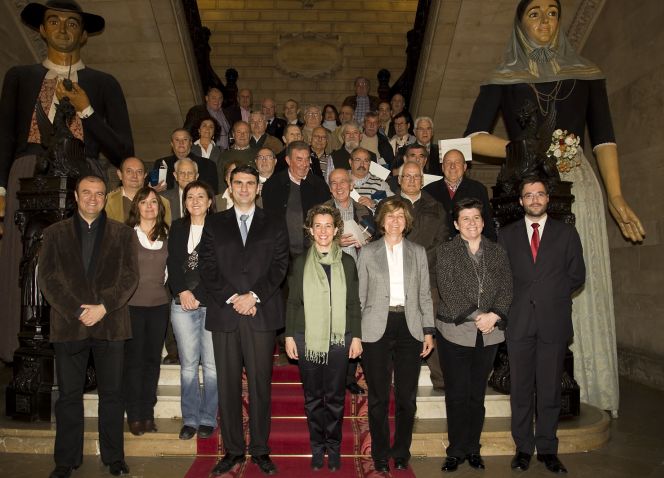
[(324, 312)]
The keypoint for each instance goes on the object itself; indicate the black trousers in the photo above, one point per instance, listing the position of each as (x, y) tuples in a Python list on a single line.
[(536, 367), (396, 350), (351, 370), (71, 360), (143, 360), (324, 395), (466, 371), (251, 349)]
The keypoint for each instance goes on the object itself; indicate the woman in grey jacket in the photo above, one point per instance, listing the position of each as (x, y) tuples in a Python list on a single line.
[(397, 329), (475, 285)]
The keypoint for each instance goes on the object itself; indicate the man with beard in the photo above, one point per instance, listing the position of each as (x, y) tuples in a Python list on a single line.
[(370, 187), (352, 137), (547, 264)]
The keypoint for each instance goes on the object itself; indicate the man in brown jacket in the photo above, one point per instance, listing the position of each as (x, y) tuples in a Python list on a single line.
[(88, 270)]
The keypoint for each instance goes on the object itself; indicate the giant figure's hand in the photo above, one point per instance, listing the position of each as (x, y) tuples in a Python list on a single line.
[(78, 97), (627, 220)]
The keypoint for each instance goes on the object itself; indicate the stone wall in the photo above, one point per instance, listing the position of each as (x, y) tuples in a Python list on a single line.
[(284, 48), (627, 42)]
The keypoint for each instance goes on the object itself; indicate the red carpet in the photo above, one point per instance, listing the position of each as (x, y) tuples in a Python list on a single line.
[(289, 437)]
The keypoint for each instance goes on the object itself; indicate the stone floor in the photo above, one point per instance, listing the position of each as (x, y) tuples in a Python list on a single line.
[(636, 449)]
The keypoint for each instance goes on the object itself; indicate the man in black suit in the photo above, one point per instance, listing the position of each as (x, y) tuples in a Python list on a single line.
[(289, 194), (243, 261), (546, 258), (424, 136), (455, 186), (274, 126), (181, 146)]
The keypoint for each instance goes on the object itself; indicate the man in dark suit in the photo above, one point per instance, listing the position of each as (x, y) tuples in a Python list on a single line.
[(352, 137), (455, 186), (289, 194), (181, 146), (547, 268), (362, 102), (101, 122), (273, 126), (88, 270), (243, 261), (423, 136)]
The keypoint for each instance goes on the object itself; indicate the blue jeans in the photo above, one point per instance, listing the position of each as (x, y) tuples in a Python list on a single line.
[(199, 406)]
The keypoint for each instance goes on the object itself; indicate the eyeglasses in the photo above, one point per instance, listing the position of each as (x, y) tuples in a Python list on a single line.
[(361, 160), (411, 177), (319, 137), (264, 158), (185, 174), (531, 196), (312, 114)]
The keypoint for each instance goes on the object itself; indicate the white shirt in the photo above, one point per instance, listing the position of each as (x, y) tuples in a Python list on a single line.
[(395, 269), (205, 152), (529, 228)]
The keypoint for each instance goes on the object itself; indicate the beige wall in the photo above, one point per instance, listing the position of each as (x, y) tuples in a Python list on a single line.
[(627, 43), (360, 38)]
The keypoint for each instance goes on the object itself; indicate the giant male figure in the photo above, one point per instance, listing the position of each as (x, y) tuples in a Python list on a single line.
[(102, 123)]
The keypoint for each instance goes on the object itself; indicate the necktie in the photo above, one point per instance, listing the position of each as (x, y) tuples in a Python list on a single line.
[(243, 227), (535, 241)]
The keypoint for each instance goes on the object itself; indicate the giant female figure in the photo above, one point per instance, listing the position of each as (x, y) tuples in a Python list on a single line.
[(541, 66)]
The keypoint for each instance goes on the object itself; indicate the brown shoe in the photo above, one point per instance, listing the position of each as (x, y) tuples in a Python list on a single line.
[(149, 426), (136, 428)]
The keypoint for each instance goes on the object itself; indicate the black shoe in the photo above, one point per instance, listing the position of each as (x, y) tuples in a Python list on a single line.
[(149, 426), (118, 468), (475, 461), (521, 461), (317, 461), (265, 463), (355, 389), (227, 463), (400, 464), (333, 461), (381, 466), (552, 463), (205, 431), (136, 428), (187, 432), (171, 360), (451, 464), (61, 471)]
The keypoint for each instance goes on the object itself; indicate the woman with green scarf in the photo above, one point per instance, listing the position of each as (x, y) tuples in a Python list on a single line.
[(323, 330)]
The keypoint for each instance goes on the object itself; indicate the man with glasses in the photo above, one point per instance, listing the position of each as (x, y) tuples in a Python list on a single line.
[(370, 187), (430, 229), (241, 151), (456, 186), (185, 172), (547, 265), (265, 163), (424, 137), (376, 142), (321, 161), (312, 120), (401, 137)]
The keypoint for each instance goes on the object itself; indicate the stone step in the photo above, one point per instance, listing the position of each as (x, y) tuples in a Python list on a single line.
[(588, 432), (431, 404)]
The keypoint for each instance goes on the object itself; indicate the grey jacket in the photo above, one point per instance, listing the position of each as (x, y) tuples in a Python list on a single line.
[(373, 272)]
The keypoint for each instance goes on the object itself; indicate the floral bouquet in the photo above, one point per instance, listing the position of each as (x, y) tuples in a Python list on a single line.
[(564, 148)]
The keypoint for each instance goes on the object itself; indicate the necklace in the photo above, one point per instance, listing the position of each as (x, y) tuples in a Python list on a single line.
[(546, 100), (480, 280)]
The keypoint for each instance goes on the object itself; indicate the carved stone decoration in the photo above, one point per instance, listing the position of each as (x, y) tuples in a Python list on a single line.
[(583, 22), (308, 55)]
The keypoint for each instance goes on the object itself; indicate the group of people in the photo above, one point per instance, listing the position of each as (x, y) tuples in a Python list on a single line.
[(242, 232)]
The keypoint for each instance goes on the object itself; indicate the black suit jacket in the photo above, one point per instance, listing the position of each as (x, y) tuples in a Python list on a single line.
[(107, 130), (178, 280), (543, 289), (197, 112), (469, 188), (207, 171), (341, 158), (276, 128), (313, 191), (228, 267)]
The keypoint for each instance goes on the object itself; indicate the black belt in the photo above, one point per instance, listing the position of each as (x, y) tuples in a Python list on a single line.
[(397, 308)]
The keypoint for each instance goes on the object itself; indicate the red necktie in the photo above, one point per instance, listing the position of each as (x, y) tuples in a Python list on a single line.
[(535, 241)]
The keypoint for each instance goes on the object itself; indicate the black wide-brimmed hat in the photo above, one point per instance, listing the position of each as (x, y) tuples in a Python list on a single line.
[(33, 15)]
